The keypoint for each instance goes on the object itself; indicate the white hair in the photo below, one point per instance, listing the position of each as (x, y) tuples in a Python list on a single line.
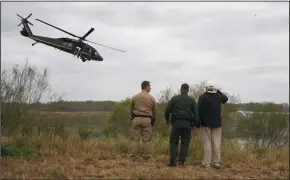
[(210, 84)]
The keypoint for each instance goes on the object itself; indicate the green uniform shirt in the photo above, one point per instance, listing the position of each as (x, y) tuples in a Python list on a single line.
[(183, 110)]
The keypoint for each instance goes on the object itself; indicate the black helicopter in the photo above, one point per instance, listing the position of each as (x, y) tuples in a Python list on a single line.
[(76, 47)]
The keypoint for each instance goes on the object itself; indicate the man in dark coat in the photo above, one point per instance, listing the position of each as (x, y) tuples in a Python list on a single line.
[(209, 106), (184, 116)]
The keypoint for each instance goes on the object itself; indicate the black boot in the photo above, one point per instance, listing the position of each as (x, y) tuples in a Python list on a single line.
[(181, 163), (171, 164)]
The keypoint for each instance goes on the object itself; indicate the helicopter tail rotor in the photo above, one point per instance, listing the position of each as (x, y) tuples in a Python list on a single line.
[(25, 19)]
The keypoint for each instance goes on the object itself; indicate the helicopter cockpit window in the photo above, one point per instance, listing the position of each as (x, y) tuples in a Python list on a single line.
[(90, 50), (69, 45), (65, 43), (96, 53)]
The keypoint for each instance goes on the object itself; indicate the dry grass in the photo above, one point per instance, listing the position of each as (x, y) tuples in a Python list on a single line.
[(74, 158)]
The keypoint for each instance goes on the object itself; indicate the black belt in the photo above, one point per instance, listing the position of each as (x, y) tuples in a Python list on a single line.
[(146, 116), (140, 115)]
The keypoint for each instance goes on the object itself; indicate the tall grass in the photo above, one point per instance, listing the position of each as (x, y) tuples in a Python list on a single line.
[(74, 156)]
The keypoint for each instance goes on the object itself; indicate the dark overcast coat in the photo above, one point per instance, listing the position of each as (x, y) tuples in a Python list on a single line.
[(209, 106)]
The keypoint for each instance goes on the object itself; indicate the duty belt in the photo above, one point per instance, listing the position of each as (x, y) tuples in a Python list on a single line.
[(140, 115), (146, 116)]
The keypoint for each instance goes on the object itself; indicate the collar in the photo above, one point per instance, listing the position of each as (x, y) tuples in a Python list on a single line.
[(212, 92)]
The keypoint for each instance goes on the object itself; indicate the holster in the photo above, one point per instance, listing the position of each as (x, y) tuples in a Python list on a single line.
[(152, 121)]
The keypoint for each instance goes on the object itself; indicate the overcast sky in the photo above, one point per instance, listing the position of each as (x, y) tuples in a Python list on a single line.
[(241, 47)]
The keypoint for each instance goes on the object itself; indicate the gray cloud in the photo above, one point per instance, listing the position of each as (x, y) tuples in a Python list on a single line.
[(266, 69), (243, 47)]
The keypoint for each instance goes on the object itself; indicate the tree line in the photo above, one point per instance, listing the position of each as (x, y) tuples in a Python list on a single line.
[(85, 106), (23, 90)]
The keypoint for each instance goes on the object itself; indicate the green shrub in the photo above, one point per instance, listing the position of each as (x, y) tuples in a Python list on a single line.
[(10, 150), (84, 132), (21, 148), (265, 129)]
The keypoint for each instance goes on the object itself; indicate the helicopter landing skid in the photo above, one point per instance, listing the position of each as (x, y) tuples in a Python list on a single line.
[(84, 59)]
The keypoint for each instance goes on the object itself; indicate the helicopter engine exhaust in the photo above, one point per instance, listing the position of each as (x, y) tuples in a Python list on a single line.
[(23, 32)]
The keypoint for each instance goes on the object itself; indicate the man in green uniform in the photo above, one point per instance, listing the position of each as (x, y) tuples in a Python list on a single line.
[(184, 116), (143, 112)]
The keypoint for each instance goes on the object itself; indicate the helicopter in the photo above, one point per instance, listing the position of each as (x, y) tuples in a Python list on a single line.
[(73, 46)]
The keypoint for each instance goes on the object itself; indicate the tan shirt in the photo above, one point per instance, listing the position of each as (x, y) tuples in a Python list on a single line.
[(143, 103)]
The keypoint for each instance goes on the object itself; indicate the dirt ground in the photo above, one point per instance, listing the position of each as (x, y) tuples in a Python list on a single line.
[(122, 168)]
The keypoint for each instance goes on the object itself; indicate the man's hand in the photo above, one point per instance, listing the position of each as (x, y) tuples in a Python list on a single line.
[(153, 121)]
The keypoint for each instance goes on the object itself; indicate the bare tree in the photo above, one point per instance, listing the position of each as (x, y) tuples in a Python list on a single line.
[(165, 95), (196, 90), (21, 89)]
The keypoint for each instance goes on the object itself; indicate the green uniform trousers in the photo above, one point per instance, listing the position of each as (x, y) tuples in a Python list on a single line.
[(185, 134)]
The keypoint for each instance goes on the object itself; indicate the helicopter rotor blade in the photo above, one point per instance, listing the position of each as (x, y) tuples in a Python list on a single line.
[(104, 46), (58, 28), (28, 16), (88, 33), (19, 16)]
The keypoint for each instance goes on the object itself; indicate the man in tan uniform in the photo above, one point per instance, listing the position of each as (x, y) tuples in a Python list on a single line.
[(143, 112)]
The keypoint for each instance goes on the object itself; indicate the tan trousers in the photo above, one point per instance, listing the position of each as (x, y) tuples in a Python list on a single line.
[(141, 128), (211, 138)]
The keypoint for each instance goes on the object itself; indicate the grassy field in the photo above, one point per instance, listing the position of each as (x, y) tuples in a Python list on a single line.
[(71, 156), (74, 119)]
